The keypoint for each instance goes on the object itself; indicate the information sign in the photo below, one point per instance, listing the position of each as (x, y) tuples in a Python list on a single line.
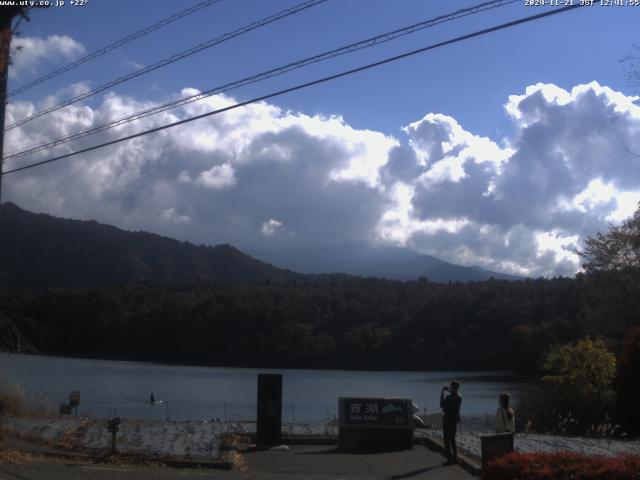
[(74, 398), (375, 423)]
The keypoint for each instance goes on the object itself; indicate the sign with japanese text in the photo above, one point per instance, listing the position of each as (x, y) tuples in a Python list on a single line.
[(375, 411)]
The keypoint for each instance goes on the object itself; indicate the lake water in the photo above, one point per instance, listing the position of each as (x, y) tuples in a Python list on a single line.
[(200, 393)]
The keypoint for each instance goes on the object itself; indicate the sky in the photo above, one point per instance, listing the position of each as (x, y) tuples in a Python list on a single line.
[(504, 151)]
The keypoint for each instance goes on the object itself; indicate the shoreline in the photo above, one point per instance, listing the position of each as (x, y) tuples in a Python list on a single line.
[(512, 375)]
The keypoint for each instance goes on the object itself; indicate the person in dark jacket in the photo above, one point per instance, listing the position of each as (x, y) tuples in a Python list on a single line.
[(450, 405)]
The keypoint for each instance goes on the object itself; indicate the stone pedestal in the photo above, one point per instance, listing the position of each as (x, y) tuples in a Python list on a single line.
[(495, 446)]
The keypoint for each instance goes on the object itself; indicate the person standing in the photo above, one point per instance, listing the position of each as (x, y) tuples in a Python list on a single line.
[(450, 405), (505, 416)]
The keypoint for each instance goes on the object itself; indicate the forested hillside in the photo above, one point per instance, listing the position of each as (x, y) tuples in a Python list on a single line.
[(38, 250)]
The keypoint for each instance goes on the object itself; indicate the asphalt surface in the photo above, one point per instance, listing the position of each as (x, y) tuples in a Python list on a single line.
[(301, 462)]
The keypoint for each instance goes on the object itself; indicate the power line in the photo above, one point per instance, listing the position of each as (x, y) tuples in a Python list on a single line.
[(129, 38), (172, 59), (304, 85), (369, 42)]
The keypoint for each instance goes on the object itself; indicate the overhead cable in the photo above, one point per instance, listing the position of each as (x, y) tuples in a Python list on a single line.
[(129, 38), (303, 85), (172, 59), (369, 42)]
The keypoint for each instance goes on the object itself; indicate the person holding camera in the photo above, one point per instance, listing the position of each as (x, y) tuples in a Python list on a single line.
[(450, 405)]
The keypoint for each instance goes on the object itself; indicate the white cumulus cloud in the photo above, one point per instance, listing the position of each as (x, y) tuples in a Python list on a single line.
[(219, 176), (30, 53), (271, 227), (528, 203)]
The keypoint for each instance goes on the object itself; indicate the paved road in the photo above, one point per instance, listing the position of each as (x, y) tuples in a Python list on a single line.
[(325, 462), (300, 463)]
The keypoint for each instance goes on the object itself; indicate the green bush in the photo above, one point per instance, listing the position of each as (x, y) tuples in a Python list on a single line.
[(575, 396)]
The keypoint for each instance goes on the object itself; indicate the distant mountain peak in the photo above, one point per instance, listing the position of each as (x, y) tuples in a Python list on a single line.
[(383, 261)]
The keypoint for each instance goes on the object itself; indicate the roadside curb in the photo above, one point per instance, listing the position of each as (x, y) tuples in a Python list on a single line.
[(71, 457), (469, 464), (226, 461)]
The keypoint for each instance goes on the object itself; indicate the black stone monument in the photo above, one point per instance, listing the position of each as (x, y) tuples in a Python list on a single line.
[(269, 409)]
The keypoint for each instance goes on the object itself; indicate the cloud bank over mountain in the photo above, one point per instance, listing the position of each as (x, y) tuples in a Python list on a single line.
[(261, 176), (526, 205)]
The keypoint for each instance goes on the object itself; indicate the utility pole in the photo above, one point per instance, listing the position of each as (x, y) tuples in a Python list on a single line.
[(6, 16)]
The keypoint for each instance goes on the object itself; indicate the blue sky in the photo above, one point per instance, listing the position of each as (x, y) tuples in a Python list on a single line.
[(388, 175), (469, 81)]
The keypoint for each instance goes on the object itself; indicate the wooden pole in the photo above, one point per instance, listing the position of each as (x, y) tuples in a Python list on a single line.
[(6, 16), (5, 55)]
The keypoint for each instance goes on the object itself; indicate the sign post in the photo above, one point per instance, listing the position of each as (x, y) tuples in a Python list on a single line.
[(74, 400), (113, 427)]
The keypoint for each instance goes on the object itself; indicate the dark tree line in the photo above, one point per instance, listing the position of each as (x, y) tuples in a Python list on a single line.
[(330, 322)]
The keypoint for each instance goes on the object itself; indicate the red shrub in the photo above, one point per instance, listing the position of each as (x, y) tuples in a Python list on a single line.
[(562, 466)]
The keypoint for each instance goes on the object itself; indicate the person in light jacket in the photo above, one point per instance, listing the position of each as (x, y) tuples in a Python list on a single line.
[(505, 416)]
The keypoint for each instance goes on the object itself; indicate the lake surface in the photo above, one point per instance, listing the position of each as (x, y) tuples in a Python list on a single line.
[(200, 393)]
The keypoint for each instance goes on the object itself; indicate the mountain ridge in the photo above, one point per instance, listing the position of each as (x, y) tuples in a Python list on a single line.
[(39, 250)]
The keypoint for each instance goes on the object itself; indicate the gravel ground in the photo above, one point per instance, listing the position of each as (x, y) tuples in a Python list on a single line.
[(193, 439), (150, 437), (202, 438), (469, 441)]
